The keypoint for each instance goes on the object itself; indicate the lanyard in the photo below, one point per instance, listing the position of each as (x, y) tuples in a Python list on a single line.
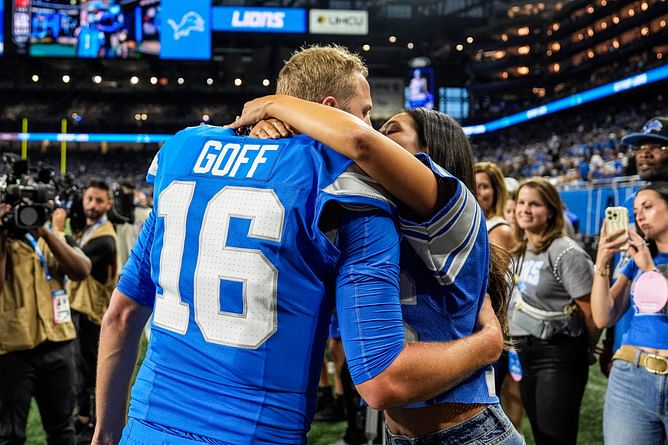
[(89, 231), (42, 259)]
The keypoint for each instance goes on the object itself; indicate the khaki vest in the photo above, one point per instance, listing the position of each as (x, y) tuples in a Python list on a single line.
[(26, 309), (89, 296)]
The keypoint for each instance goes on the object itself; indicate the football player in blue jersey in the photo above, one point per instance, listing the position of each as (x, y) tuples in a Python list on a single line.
[(439, 301), (239, 263)]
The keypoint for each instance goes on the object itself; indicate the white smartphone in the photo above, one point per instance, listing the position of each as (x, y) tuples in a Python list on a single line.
[(617, 218)]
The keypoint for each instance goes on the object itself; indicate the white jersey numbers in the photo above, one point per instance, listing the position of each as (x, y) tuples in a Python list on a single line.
[(216, 261)]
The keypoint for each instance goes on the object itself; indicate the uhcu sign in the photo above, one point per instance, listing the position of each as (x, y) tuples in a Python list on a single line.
[(338, 21), (287, 20)]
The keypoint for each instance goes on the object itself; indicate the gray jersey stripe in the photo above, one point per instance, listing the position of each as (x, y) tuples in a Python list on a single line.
[(358, 184), (461, 257), (153, 168), (435, 252)]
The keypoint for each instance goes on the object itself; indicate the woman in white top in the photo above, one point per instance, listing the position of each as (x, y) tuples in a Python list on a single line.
[(491, 193)]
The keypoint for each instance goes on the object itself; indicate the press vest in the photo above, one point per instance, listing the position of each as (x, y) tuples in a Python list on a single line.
[(89, 296), (26, 308)]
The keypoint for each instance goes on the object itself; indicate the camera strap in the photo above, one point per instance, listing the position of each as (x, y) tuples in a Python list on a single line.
[(89, 231), (42, 259)]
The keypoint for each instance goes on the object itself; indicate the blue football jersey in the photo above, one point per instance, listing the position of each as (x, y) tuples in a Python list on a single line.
[(241, 279), (444, 274)]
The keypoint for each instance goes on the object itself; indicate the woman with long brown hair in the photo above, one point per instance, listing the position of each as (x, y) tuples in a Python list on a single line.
[(550, 318), (492, 196)]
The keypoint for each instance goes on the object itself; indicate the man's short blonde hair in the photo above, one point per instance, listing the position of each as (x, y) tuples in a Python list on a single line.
[(316, 72)]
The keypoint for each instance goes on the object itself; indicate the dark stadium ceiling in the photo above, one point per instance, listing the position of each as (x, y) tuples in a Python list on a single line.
[(431, 28)]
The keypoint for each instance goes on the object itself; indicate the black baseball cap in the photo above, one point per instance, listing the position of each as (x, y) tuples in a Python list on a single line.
[(655, 131)]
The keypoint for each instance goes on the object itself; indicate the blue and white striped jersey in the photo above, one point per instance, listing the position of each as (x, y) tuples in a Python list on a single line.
[(440, 302)]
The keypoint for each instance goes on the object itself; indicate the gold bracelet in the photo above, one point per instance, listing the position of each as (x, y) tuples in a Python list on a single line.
[(602, 272)]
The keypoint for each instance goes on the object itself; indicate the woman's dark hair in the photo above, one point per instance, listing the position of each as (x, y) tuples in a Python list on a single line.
[(447, 143), (661, 188), (449, 147)]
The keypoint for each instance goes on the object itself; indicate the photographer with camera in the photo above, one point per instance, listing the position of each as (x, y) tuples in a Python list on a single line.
[(36, 330), (90, 296)]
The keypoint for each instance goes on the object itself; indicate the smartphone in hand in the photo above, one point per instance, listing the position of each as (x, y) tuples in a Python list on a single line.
[(617, 218)]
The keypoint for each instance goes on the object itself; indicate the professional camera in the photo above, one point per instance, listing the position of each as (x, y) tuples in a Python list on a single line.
[(123, 209), (70, 194), (28, 192)]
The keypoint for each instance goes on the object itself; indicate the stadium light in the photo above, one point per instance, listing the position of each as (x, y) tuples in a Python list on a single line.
[(134, 80), (180, 81), (205, 118), (459, 47), (410, 45), (144, 116), (66, 78), (392, 39), (366, 47), (469, 40), (35, 78), (238, 82), (154, 80), (97, 79), (209, 81), (266, 82)]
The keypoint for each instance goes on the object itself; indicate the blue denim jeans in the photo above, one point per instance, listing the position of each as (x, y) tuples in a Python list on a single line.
[(490, 426), (636, 406)]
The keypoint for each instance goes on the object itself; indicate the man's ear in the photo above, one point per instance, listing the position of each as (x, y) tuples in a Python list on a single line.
[(330, 101)]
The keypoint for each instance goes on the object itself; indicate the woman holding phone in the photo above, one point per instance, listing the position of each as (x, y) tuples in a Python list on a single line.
[(635, 409)]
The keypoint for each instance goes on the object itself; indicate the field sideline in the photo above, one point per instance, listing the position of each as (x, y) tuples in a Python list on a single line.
[(323, 434)]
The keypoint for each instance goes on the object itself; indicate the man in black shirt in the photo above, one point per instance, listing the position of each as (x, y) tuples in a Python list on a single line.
[(90, 297)]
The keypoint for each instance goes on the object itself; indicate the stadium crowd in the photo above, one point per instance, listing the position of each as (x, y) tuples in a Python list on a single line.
[(581, 146)]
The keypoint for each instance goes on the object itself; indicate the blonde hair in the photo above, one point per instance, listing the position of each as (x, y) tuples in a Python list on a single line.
[(498, 185), (315, 72), (555, 223)]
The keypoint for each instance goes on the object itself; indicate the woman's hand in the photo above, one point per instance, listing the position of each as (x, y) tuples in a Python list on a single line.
[(255, 115), (608, 245), (271, 129), (640, 253)]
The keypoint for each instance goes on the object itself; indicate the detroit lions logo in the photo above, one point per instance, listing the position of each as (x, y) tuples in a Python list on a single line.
[(191, 21), (652, 126)]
